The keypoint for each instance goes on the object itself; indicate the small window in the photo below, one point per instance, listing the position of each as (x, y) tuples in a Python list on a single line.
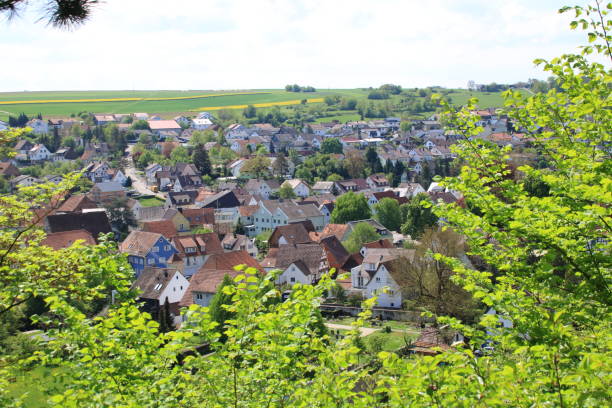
[(155, 249), (150, 261), (377, 279), (392, 304), (292, 279)]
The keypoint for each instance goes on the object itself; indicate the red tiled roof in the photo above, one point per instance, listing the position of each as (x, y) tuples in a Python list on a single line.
[(164, 227), (59, 240)]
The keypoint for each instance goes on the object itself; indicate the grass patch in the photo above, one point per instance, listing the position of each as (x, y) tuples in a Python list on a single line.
[(37, 383), (393, 341), (151, 202)]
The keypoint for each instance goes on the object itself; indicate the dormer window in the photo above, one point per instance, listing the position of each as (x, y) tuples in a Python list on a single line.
[(190, 250)]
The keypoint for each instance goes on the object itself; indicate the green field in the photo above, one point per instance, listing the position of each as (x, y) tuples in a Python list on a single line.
[(151, 202), (197, 99), (169, 107)]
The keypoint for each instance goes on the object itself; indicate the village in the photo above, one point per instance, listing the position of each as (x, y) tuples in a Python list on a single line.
[(189, 199)]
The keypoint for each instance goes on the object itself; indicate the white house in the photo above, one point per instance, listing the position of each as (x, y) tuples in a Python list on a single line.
[(201, 124), (38, 126), (300, 188), (262, 187), (160, 286), (3, 125), (150, 172), (379, 276), (297, 272), (23, 181), (272, 213), (141, 116), (205, 115), (236, 166), (39, 153)]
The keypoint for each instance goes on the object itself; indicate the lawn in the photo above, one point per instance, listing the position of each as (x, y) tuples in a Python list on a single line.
[(151, 201), (32, 382), (388, 341)]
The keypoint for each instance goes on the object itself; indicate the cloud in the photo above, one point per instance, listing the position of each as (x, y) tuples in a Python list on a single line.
[(195, 44)]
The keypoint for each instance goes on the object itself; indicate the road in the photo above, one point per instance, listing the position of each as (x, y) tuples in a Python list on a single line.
[(138, 182)]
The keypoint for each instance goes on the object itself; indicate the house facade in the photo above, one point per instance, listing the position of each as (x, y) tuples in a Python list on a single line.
[(147, 249)]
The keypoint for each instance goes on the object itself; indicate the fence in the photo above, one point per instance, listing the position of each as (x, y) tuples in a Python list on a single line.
[(377, 313)]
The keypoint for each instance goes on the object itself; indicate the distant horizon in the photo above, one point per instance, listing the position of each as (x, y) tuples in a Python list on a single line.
[(239, 44)]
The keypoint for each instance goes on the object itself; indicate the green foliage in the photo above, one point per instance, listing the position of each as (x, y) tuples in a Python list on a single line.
[(258, 167), (120, 216), (319, 167), (286, 192), (350, 207), (201, 160), (331, 145), (140, 125), (180, 154), (417, 215), (362, 233), (388, 213), (220, 303)]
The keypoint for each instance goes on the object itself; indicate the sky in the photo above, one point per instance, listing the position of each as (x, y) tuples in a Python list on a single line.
[(247, 44)]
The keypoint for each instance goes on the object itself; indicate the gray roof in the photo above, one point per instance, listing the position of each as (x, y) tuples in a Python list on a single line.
[(292, 210), (152, 282), (109, 186)]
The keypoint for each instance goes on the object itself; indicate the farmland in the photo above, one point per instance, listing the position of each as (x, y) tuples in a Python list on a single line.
[(156, 102)]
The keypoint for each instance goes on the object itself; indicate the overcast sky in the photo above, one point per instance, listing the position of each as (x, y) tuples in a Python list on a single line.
[(249, 44)]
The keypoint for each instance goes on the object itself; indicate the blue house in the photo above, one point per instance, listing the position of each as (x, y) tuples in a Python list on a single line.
[(147, 249)]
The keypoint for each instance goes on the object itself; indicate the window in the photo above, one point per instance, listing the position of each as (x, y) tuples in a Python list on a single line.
[(150, 261), (158, 286), (190, 250), (181, 288), (162, 259), (377, 279), (392, 304), (155, 249), (292, 279), (166, 247)]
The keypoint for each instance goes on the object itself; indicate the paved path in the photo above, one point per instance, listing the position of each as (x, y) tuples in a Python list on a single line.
[(138, 182), (365, 331)]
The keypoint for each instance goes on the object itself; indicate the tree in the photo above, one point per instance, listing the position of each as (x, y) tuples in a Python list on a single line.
[(362, 233), (416, 216), (388, 213), (201, 160), (428, 281), (286, 192), (331, 145), (128, 182), (120, 216), (220, 303), (280, 167), (258, 166), (350, 207), (180, 154), (140, 125), (354, 164), (59, 13), (249, 112)]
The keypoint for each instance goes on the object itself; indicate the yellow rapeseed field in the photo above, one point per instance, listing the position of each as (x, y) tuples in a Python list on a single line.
[(260, 105), (172, 98)]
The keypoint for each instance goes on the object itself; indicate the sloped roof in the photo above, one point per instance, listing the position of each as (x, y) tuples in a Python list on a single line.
[(199, 216), (285, 255), (248, 210), (59, 240), (206, 281), (152, 282), (163, 124), (204, 244), (95, 222), (139, 243), (338, 230), (336, 254), (76, 202), (163, 227), (381, 243), (294, 233), (228, 260)]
